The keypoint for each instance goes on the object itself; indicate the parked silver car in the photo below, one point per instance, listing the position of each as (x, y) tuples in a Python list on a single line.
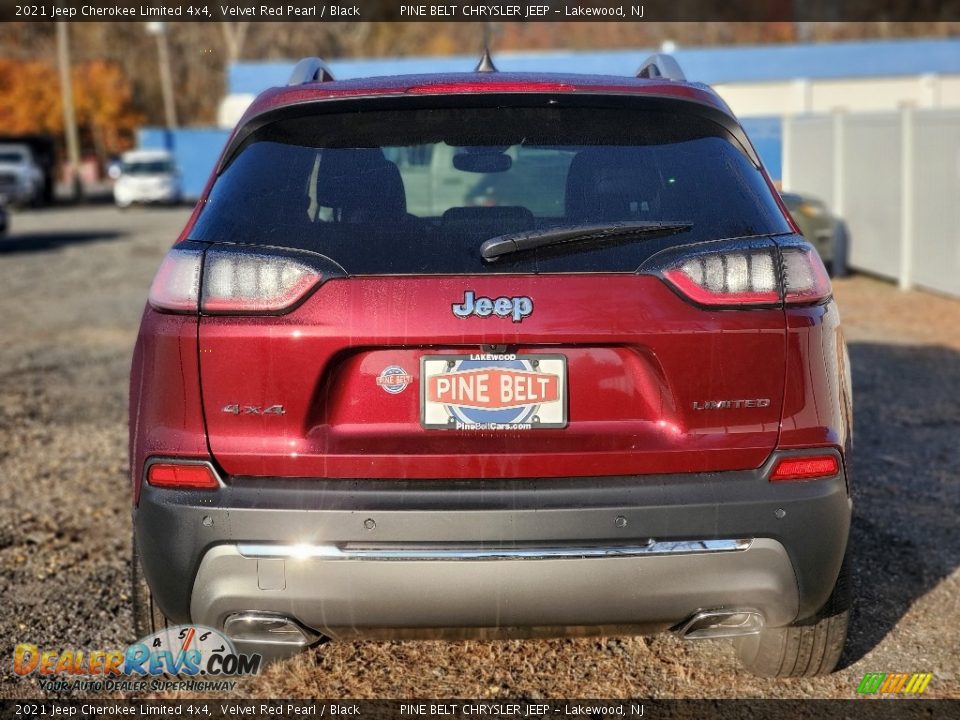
[(21, 179)]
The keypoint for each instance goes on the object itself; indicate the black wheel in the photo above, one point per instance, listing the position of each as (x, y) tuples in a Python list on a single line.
[(147, 618), (805, 648)]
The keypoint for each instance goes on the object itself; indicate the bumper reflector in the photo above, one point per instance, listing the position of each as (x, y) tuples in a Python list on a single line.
[(805, 468), (169, 475)]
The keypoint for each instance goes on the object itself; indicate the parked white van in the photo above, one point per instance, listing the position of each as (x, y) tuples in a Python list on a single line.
[(147, 176)]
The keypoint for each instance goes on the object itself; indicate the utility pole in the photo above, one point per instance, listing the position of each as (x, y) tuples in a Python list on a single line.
[(69, 116), (159, 30)]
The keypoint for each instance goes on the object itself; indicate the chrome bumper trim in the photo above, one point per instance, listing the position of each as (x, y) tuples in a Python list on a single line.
[(473, 551)]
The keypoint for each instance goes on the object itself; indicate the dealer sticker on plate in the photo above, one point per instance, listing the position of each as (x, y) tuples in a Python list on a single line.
[(493, 392)]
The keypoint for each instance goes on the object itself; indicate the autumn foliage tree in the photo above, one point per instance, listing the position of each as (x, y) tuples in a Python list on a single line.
[(31, 98), (103, 105), (32, 103)]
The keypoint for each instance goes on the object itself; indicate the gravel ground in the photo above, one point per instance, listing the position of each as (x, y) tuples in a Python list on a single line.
[(74, 283)]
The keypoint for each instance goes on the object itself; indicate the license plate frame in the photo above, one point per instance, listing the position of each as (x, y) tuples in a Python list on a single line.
[(543, 374)]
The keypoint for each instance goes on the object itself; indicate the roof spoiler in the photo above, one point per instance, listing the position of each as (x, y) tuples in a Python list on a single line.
[(661, 66), (309, 70)]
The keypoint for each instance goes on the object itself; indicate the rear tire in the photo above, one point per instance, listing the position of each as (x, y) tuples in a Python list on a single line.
[(805, 648), (147, 617)]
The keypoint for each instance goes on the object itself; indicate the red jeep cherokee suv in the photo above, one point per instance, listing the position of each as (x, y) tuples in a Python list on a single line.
[(493, 354)]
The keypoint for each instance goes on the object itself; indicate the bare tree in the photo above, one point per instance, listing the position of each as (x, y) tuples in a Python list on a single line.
[(234, 34)]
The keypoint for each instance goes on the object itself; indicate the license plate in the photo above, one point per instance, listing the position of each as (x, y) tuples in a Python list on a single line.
[(493, 392)]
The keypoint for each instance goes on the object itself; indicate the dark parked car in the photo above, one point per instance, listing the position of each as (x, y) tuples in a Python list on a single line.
[(4, 216), (826, 232), (615, 400)]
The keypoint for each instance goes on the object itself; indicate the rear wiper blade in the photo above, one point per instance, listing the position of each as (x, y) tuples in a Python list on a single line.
[(588, 235)]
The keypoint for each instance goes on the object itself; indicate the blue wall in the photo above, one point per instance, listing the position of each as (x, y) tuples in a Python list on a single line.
[(766, 134), (195, 151)]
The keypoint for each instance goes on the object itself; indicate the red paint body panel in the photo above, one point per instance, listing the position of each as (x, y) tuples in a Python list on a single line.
[(166, 417), (638, 359), (817, 403)]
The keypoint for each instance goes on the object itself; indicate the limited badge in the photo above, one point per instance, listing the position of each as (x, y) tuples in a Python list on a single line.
[(394, 379)]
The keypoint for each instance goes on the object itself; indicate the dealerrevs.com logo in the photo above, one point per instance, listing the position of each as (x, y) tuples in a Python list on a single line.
[(201, 658)]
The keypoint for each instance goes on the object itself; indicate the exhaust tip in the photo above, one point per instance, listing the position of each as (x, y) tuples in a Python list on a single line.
[(710, 624), (268, 629)]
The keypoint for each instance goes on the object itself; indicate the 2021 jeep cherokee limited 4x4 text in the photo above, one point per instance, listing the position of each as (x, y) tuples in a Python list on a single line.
[(493, 354)]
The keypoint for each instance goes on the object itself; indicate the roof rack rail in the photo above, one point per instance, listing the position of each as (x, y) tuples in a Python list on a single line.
[(661, 66), (308, 70)]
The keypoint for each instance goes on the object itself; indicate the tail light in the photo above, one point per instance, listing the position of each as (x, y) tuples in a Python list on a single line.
[(230, 281), (253, 282), (728, 278), (812, 209), (756, 276), (805, 468), (176, 287), (186, 476), (804, 276)]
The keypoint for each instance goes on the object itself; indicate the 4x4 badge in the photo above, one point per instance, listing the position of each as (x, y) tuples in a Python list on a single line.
[(517, 307), (236, 409)]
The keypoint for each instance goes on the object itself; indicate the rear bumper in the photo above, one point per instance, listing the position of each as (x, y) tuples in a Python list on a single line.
[(164, 194), (502, 598), (497, 557)]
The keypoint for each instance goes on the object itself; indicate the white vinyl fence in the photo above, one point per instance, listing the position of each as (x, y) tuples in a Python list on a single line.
[(895, 179)]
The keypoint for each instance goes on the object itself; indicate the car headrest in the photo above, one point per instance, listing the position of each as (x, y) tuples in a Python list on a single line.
[(610, 184), (361, 185)]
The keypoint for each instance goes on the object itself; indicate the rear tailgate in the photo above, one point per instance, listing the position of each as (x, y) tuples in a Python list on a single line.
[(614, 373), (639, 381)]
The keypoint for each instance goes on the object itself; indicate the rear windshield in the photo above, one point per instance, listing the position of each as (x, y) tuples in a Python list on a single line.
[(419, 191)]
